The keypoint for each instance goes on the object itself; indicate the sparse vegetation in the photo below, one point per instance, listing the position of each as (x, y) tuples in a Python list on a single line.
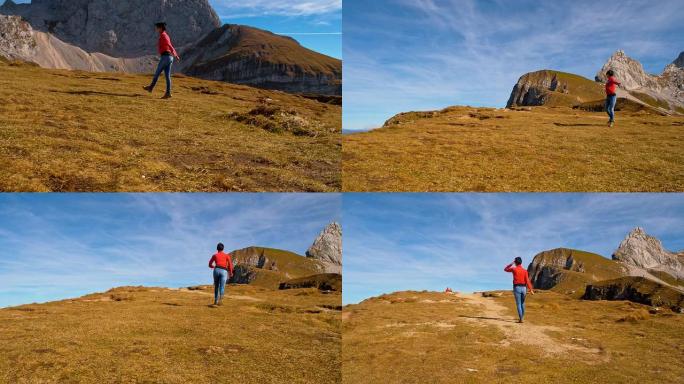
[(537, 149), (79, 131), (172, 336), (442, 338)]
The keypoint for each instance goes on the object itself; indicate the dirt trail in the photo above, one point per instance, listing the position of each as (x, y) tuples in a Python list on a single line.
[(493, 313)]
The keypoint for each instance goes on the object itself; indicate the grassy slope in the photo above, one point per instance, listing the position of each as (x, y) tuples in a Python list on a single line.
[(579, 89), (77, 131), (162, 336), (596, 268), (272, 48), (424, 340), (290, 265), (545, 149)]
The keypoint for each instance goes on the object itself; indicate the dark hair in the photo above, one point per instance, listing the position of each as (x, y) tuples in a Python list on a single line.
[(219, 247), (161, 25), (610, 73), (518, 261)]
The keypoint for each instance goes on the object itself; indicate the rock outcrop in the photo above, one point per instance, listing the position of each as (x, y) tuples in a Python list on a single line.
[(19, 41), (644, 251), (250, 56), (553, 88), (118, 28), (327, 248), (636, 289), (664, 91), (323, 282)]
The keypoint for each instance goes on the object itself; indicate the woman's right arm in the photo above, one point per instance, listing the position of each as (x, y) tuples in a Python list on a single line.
[(212, 261)]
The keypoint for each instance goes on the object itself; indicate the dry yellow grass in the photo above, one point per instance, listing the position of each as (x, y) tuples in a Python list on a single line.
[(78, 131), (424, 337), (543, 149), (154, 335)]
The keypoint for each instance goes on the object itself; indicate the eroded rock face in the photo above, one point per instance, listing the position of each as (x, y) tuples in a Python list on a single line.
[(118, 28), (19, 41), (16, 38), (644, 251), (546, 269), (667, 88), (327, 248), (532, 89), (638, 290), (250, 56)]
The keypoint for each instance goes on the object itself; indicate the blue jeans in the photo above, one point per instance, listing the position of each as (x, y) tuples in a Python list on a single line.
[(220, 278), (165, 64), (520, 292), (611, 100)]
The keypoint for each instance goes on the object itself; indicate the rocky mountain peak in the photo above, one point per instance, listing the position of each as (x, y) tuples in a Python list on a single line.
[(8, 4), (642, 250), (328, 245), (630, 72), (679, 61)]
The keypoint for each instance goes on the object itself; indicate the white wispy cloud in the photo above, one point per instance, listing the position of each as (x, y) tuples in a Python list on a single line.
[(75, 244), (423, 54), (246, 8)]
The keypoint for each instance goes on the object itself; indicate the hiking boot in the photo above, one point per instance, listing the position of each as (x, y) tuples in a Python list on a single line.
[(520, 321), (166, 96), (148, 88), (610, 124)]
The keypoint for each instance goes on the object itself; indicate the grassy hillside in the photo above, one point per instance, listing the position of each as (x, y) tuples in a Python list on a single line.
[(322, 281), (573, 89), (144, 335), (424, 337), (288, 265), (637, 289), (527, 149), (586, 268), (77, 131)]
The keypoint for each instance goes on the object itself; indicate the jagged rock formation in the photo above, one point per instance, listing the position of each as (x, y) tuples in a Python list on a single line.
[(553, 88), (644, 251), (636, 289), (664, 91), (118, 28), (18, 41), (327, 248), (250, 56), (679, 61)]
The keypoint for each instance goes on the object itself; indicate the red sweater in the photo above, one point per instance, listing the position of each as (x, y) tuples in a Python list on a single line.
[(520, 275), (221, 260), (611, 86), (165, 45)]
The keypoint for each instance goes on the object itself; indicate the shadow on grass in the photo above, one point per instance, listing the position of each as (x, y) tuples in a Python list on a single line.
[(574, 125), (489, 318), (96, 93)]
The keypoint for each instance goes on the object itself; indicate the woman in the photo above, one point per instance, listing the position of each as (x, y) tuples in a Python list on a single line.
[(167, 52), (521, 283), (223, 270), (611, 96)]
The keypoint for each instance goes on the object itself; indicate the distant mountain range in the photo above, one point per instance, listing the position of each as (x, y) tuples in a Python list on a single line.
[(661, 94), (101, 35)]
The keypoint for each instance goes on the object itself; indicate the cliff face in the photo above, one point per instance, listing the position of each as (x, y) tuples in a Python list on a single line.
[(664, 91), (327, 248), (553, 88), (18, 41), (250, 56), (118, 28), (644, 251)]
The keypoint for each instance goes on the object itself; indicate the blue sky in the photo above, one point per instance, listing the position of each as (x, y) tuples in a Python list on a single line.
[(396, 242), (55, 246), (316, 24), (403, 55)]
